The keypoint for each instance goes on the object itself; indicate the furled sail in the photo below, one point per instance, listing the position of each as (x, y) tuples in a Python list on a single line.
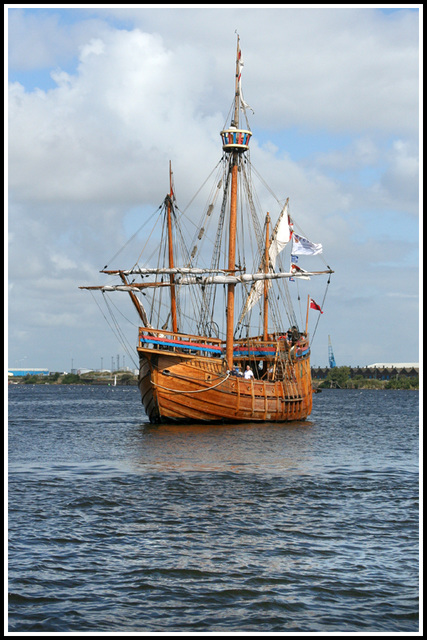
[(144, 315), (164, 271), (248, 277), (205, 280)]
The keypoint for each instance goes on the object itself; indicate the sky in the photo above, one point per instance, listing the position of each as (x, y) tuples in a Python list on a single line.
[(101, 98)]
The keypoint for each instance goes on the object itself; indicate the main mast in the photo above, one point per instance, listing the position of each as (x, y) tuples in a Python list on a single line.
[(235, 141)]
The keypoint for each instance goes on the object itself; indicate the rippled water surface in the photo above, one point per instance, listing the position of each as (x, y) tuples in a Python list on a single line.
[(117, 525)]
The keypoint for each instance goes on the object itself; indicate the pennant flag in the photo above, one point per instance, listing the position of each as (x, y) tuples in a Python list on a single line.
[(291, 226), (296, 269), (239, 65), (239, 77), (294, 260), (313, 305), (302, 246)]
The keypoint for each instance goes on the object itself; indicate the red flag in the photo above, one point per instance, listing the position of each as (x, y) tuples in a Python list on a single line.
[(313, 305)]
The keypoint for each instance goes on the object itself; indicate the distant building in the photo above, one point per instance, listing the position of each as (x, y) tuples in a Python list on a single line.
[(394, 365), (20, 373)]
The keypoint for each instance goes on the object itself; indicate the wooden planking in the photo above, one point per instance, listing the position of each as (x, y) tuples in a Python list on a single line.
[(234, 399)]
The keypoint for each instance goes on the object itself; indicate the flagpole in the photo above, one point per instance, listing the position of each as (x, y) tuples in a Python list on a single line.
[(306, 321), (237, 88)]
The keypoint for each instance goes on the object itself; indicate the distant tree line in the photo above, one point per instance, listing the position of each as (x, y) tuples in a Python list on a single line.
[(339, 378), (125, 378)]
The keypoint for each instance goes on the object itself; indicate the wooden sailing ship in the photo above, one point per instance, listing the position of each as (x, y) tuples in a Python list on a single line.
[(197, 374)]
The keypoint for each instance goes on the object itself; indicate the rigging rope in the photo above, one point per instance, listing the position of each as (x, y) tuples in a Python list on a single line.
[(116, 332), (148, 239), (323, 302), (131, 238), (198, 191), (196, 390)]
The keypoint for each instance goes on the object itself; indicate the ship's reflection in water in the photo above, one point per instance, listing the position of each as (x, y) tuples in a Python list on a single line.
[(247, 447)]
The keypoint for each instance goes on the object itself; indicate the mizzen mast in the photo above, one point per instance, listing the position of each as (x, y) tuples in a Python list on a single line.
[(266, 269), (169, 199)]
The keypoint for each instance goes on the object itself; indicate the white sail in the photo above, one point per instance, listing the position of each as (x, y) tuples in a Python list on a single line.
[(281, 237)]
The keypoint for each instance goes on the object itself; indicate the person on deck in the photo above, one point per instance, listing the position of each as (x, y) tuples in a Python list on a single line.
[(248, 373), (293, 335)]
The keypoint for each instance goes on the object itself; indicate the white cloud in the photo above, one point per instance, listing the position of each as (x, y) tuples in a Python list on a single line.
[(95, 47), (361, 152), (63, 263), (105, 134), (42, 39), (400, 180)]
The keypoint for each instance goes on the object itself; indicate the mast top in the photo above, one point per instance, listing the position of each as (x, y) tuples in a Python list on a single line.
[(234, 138)]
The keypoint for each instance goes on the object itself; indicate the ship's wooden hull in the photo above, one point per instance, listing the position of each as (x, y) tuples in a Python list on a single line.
[(176, 386)]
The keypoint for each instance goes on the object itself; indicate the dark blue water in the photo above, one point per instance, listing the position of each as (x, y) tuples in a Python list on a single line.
[(116, 525)]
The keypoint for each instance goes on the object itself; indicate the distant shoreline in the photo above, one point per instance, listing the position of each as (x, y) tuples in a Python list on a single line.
[(121, 378), (318, 385), (332, 378), (382, 388)]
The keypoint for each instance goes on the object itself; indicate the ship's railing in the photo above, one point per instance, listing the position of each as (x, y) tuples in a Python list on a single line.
[(255, 349), (276, 347), (258, 346), (302, 349), (168, 340), (244, 349)]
